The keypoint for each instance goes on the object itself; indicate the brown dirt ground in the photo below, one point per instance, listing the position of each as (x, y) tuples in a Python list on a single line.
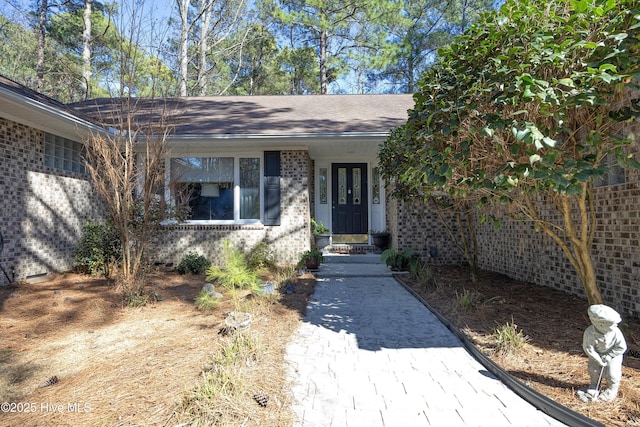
[(122, 366), (552, 361)]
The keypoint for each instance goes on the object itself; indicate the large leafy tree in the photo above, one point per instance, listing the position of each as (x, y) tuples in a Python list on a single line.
[(17, 48), (264, 68), (525, 109), (88, 39)]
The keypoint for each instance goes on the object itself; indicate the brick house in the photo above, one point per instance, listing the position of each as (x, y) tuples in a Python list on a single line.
[(259, 168), (45, 197)]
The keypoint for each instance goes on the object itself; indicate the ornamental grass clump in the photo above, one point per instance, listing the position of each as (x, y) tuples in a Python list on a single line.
[(235, 274), (508, 339), (467, 299), (206, 302)]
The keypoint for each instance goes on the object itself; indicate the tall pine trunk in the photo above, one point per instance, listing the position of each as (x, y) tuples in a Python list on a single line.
[(41, 30), (86, 49), (183, 9), (324, 54)]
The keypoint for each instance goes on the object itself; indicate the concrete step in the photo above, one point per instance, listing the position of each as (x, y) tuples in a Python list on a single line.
[(337, 258), (352, 269)]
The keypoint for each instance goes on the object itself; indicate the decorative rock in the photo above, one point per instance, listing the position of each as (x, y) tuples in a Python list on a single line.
[(211, 291), (267, 288), (238, 320)]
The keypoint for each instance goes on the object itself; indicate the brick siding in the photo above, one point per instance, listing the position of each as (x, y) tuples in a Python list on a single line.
[(413, 224), (286, 241), (42, 210), (518, 251)]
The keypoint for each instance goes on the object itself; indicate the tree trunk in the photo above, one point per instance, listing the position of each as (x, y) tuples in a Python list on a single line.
[(577, 235), (203, 65), (41, 30), (183, 9), (324, 49), (410, 62), (589, 278), (86, 49), (466, 238)]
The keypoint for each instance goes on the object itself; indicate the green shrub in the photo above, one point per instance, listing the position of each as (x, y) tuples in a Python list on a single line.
[(261, 257), (98, 250), (398, 260), (317, 227), (193, 263)]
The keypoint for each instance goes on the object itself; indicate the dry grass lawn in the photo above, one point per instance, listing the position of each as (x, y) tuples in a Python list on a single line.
[(123, 366)]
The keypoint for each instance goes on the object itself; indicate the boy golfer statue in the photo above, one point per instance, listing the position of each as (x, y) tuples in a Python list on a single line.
[(604, 343)]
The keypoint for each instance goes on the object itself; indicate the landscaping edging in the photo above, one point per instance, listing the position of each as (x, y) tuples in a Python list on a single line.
[(539, 401)]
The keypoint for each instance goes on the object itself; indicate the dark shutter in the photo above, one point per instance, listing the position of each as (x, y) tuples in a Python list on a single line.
[(272, 188)]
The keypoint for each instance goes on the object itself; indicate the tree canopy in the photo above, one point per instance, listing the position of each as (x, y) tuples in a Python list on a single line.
[(70, 50), (525, 109)]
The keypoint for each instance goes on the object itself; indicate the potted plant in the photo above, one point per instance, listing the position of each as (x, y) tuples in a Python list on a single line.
[(311, 259), (320, 233), (381, 239)]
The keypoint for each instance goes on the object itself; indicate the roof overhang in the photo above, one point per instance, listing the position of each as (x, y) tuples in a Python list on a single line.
[(352, 145), (33, 113)]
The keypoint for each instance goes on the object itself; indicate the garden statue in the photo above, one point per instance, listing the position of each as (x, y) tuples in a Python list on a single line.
[(604, 343)]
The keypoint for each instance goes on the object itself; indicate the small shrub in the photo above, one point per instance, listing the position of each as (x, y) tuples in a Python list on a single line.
[(98, 250), (261, 257), (135, 300), (193, 263), (206, 302), (398, 260), (508, 339)]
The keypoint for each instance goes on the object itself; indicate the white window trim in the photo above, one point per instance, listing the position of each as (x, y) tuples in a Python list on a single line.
[(236, 185)]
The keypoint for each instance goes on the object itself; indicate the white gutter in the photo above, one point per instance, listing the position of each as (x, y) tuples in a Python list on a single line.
[(41, 116), (327, 135)]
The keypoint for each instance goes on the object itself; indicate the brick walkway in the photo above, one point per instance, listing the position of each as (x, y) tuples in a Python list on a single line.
[(369, 354)]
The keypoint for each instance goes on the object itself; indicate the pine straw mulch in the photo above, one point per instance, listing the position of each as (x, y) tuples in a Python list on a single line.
[(552, 361), (123, 366)]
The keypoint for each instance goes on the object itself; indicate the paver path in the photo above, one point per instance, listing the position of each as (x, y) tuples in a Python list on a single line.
[(369, 354)]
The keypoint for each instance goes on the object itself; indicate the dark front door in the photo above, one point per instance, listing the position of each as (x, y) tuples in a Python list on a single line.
[(349, 198)]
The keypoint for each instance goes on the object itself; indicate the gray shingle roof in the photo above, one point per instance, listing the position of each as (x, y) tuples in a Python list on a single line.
[(264, 115)]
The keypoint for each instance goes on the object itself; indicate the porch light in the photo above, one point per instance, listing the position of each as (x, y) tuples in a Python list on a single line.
[(210, 189)]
